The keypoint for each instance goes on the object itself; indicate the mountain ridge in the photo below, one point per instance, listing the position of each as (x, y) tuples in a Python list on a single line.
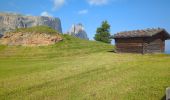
[(11, 21)]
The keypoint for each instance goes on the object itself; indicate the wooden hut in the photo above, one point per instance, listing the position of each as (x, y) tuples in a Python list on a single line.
[(141, 41)]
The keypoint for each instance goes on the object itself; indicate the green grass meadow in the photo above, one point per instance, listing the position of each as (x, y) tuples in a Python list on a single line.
[(77, 69)]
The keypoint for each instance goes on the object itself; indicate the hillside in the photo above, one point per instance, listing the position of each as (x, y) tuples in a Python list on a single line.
[(33, 36), (76, 69)]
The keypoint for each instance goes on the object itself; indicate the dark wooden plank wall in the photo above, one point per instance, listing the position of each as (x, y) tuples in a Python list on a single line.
[(155, 44), (134, 45)]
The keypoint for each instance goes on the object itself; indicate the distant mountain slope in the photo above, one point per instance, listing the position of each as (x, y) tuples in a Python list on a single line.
[(11, 21)]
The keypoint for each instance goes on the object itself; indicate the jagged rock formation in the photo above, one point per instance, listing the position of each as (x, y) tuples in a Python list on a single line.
[(11, 21), (35, 36), (78, 31)]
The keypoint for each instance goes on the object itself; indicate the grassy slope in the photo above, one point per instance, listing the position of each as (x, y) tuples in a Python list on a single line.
[(78, 69), (37, 29)]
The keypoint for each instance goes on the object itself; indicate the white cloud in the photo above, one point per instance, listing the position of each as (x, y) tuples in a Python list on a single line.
[(84, 11), (58, 3), (45, 13), (98, 2)]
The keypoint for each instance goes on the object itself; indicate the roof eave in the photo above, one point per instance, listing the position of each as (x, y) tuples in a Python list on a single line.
[(167, 34), (131, 37)]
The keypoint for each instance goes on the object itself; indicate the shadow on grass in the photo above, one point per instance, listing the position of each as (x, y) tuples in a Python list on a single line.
[(164, 97), (112, 51)]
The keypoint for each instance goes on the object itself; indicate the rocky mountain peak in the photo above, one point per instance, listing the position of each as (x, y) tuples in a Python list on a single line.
[(78, 30)]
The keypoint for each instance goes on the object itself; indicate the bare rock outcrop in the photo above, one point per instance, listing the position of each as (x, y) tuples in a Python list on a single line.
[(29, 39), (34, 36)]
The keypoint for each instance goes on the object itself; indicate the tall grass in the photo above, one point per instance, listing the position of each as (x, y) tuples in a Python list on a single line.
[(37, 29)]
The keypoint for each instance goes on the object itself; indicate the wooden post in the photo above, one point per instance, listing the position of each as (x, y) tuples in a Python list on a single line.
[(143, 46), (168, 93)]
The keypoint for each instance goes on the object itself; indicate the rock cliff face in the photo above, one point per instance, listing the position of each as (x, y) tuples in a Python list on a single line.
[(12, 21), (78, 31)]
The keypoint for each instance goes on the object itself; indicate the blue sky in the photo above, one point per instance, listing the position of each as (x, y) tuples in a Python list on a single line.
[(121, 14)]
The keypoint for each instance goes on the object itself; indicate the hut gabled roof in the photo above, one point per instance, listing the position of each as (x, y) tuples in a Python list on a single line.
[(142, 33)]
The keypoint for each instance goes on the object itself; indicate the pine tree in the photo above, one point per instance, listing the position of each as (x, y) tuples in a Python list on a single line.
[(103, 33)]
